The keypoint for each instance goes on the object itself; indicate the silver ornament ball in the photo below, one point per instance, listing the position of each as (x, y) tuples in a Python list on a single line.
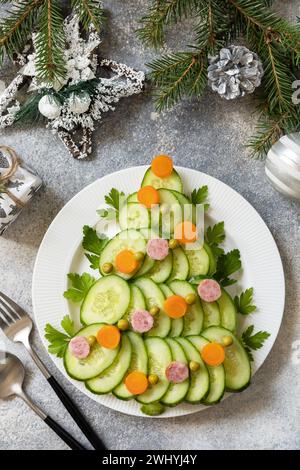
[(49, 107), (79, 103), (283, 165)]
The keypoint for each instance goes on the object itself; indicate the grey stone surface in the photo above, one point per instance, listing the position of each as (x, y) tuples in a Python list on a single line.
[(207, 136)]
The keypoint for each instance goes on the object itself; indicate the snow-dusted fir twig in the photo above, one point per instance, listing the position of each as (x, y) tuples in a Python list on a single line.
[(74, 103), (6, 98)]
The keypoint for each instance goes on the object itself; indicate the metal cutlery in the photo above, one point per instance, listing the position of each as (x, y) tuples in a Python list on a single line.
[(17, 325), (12, 375)]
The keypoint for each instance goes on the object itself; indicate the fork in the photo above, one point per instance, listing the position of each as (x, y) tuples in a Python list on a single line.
[(17, 326)]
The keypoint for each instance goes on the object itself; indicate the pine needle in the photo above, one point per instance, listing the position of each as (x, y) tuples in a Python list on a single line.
[(163, 13), (178, 75), (183, 74), (213, 26), (90, 12), (50, 42), (15, 28)]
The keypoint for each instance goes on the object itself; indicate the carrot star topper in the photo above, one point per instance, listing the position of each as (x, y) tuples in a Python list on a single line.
[(71, 104)]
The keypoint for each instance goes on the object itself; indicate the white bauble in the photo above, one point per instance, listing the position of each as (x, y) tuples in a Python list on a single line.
[(79, 103), (49, 107), (283, 165)]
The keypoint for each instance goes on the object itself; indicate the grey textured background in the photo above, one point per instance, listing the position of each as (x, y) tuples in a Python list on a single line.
[(206, 136)]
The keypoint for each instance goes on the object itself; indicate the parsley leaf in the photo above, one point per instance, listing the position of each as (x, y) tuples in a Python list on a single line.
[(214, 236), (94, 260), (199, 196), (243, 303), (68, 325), (59, 341), (91, 241), (115, 199), (253, 341), (217, 250), (80, 286), (228, 264)]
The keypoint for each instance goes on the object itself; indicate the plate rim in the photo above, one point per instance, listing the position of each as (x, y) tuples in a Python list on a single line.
[(139, 168)]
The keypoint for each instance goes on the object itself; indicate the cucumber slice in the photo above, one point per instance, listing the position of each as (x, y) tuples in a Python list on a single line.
[(148, 262), (216, 375), (227, 311), (237, 365), (153, 409), (155, 298), (176, 392), (180, 269), (159, 357), (97, 361), (139, 361), (176, 323), (113, 375), (171, 212), (162, 269), (137, 302), (212, 259), (172, 182), (134, 215), (106, 301), (188, 209), (193, 319), (199, 380), (132, 197), (211, 313), (129, 239), (147, 265), (198, 261)]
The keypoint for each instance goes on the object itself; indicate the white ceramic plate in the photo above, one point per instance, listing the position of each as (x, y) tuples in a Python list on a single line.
[(61, 252)]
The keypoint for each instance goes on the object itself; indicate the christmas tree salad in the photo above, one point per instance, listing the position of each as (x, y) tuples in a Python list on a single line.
[(158, 324)]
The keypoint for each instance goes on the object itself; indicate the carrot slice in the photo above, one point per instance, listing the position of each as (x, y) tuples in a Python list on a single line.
[(126, 262), (148, 196), (175, 306), (185, 232), (162, 166), (136, 382), (213, 354), (109, 336)]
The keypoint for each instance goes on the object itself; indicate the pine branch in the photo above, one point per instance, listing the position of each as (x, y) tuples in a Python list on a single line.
[(90, 12), (278, 75), (212, 31), (267, 132), (50, 43), (161, 14), (257, 13), (278, 45), (278, 79), (15, 28), (263, 32), (178, 75), (269, 129)]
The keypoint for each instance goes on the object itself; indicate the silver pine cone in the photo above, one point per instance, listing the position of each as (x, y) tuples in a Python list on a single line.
[(235, 72)]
